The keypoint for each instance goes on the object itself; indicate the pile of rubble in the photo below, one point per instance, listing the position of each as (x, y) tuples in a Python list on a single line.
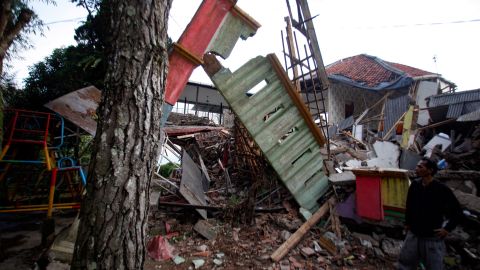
[(390, 158), (240, 216)]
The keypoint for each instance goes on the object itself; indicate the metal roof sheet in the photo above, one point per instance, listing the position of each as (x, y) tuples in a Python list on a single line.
[(346, 123), (394, 109), (79, 107), (452, 98), (455, 110), (471, 107), (470, 117)]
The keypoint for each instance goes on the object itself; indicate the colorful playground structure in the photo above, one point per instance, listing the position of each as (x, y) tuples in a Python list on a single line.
[(34, 173)]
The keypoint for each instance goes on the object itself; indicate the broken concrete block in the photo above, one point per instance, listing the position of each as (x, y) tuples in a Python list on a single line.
[(365, 238), (178, 260), (285, 265), (285, 235), (205, 229), (391, 247), (197, 263), (217, 262), (307, 252), (388, 155), (342, 178), (202, 248)]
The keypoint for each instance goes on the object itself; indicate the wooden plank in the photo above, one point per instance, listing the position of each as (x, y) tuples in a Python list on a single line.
[(407, 126), (295, 238), (191, 186), (288, 137), (216, 23)]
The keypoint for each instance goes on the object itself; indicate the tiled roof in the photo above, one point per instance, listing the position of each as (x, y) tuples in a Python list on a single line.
[(371, 72), (411, 71)]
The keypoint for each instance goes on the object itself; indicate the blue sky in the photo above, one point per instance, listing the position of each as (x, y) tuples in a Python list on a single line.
[(407, 32)]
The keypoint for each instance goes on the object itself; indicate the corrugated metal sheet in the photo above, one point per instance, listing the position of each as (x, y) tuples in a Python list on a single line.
[(469, 117), (471, 107), (455, 110), (447, 99), (346, 123), (280, 124), (79, 107), (394, 109)]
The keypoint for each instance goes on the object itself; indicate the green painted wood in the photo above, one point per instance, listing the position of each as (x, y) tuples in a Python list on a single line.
[(231, 29), (296, 158)]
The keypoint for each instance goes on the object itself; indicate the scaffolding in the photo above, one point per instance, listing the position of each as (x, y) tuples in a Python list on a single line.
[(304, 63)]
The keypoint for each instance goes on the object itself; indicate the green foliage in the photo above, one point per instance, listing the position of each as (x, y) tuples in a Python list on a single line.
[(166, 169), (65, 70), (234, 200)]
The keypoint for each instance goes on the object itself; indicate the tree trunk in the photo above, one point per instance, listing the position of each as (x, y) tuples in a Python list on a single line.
[(114, 214)]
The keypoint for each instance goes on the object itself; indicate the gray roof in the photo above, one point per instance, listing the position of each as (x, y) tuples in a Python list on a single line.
[(456, 104), (453, 98)]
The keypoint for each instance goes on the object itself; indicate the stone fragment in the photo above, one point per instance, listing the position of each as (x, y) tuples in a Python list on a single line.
[(178, 260), (202, 248), (307, 252), (198, 263)]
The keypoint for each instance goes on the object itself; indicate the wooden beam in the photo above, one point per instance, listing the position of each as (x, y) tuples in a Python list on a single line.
[(297, 236), (394, 126), (438, 124)]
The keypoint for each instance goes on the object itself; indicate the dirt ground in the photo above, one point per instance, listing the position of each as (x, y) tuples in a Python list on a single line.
[(235, 246)]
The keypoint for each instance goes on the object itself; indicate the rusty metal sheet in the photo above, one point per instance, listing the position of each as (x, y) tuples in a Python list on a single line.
[(191, 185), (280, 124), (79, 107)]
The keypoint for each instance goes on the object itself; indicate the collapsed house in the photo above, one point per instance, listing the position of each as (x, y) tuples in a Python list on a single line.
[(364, 83)]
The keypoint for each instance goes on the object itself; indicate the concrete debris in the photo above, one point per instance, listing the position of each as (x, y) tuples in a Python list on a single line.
[(178, 260), (197, 263), (217, 262), (202, 248), (205, 229), (342, 178), (307, 252), (391, 247)]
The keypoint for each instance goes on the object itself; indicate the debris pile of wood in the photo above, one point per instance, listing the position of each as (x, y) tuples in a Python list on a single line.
[(222, 172)]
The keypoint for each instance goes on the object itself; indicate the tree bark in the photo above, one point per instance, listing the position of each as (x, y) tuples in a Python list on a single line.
[(114, 213)]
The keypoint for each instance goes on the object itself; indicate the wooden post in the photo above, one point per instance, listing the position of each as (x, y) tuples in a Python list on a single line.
[(297, 236), (293, 55)]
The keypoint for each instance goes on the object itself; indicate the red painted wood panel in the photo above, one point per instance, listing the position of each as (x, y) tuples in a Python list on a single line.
[(369, 197), (195, 39)]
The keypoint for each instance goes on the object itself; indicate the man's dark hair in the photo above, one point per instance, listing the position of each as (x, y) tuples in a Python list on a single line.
[(430, 164)]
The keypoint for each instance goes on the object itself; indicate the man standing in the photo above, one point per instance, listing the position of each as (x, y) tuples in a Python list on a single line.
[(432, 212)]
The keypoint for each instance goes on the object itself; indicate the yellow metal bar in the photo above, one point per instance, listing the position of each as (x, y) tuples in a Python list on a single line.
[(39, 205), (52, 192), (4, 151), (37, 209), (47, 158)]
